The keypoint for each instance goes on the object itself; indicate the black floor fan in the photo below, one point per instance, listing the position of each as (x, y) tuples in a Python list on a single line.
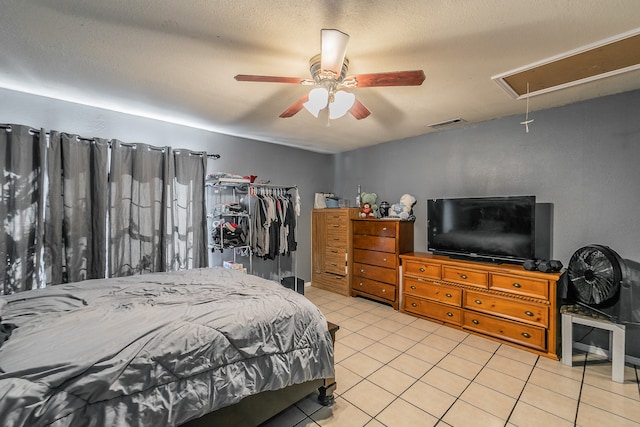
[(600, 280)]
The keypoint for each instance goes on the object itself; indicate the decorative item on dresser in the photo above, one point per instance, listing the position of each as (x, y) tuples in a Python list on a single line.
[(501, 301), (376, 246), (331, 248)]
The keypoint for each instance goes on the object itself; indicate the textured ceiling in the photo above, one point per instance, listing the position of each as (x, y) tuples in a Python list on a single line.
[(175, 60)]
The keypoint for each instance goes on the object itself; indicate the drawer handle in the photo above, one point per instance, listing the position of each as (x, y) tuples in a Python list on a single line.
[(526, 335), (413, 287), (413, 304), (384, 290), (478, 302), (517, 285), (336, 239), (360, 283), (422, 270), (475, 322), (448, 295), (362, 270), (384, 260), (463, 276), (384, 228), (450, 314), (335, 226), (529, 313)]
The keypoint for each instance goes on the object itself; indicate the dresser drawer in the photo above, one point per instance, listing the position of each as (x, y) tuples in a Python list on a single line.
[(380, 274), (373, 287), (337, 238), (465, 276), (422, 269), (439, 293), (333, 282), (444, 313), (537, 288), (382, 259), (335, 260), (336, 217), (374, 243), (375, 228), (528, 335), (527, 312)]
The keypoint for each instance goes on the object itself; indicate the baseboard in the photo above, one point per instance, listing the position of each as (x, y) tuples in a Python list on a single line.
[(602, 352)]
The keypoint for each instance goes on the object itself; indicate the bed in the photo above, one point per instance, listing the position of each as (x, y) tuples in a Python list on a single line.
[(156, 349)]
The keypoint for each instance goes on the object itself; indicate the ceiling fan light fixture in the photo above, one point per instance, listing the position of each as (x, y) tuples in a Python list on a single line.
[(318, 99), (334, 48), (342, 103)]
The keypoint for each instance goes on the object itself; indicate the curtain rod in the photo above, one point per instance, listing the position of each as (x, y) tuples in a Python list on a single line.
[(192, 153)]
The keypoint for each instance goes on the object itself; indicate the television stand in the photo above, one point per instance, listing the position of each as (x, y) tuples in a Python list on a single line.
[(502, 302)]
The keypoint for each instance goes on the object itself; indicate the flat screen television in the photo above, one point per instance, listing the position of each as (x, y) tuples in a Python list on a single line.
[(493, 229)]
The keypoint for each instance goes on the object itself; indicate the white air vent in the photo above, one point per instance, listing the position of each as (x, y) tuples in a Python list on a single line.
[(447, 123)]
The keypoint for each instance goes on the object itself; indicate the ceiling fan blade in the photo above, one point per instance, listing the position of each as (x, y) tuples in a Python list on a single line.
[(395, 78), (295, 107), (359, 111), (270, 79), (333, 49)]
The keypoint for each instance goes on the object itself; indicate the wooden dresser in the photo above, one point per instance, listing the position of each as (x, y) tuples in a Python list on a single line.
[(501, 301), (331, 248), (377, 243)]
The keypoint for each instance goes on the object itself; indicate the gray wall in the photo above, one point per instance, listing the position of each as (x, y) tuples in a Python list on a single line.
[(282, 165), (582, 158)]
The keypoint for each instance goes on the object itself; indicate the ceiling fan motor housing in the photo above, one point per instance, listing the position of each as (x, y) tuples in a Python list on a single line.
[(599, 278)]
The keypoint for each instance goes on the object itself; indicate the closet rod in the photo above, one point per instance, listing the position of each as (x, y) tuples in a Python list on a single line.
[(273, 186)]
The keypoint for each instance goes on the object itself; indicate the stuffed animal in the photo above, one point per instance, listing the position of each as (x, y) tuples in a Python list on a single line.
[(403, 209), (366, 211), (368, 207)]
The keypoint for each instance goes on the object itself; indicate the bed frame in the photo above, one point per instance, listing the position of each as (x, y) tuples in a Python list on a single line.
[(256, 409)]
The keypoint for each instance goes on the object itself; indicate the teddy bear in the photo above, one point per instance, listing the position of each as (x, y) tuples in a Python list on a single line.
[(403, 209), (368, 207)]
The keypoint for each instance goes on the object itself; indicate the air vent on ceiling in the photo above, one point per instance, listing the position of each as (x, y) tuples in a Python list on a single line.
[(596, 61), (447, 123)]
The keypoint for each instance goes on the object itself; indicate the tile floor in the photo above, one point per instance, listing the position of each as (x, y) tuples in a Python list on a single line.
[(395, 370)]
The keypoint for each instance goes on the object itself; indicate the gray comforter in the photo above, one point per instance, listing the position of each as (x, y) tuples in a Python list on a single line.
[(155, 349)]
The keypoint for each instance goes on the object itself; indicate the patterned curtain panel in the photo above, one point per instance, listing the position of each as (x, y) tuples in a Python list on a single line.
[(138, 208), (21, 209), (156, 213), (76, 218), (188, 241)]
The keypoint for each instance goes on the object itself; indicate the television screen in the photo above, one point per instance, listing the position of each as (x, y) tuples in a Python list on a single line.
[(494, 228)]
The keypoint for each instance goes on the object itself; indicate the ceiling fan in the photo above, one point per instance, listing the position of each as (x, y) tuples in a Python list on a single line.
[(329, 75)]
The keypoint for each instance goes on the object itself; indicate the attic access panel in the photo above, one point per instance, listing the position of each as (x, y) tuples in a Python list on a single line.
[(609, 57)]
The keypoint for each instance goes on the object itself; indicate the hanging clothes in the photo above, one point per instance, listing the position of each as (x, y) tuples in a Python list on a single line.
[(273, 223)]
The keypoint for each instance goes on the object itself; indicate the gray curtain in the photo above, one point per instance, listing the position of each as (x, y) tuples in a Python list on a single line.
[(153, 212), (188, 239), (76, 217), (55, 227), (21, 209)]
